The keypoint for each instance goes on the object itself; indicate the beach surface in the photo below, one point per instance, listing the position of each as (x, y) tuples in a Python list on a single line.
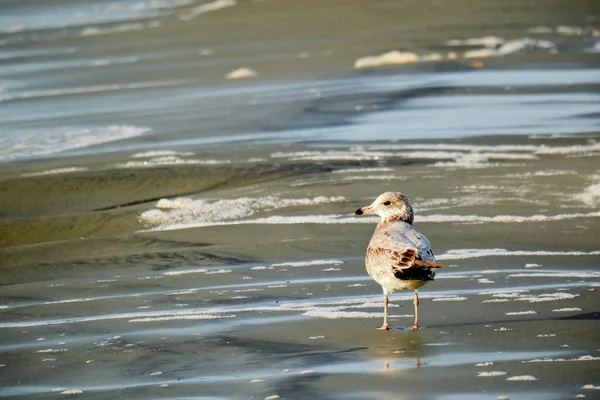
[(178, 181)]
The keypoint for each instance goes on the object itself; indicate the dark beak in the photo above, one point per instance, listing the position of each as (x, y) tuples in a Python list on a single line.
[(368, 210)]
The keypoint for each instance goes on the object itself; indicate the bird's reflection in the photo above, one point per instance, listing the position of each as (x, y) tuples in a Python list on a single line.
[(402, 350)]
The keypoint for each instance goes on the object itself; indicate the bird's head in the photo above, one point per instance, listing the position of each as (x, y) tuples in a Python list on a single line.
[(390, 206)]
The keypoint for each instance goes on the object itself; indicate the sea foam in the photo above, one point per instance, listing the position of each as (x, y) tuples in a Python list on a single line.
[(157, 219), (185, 210), (204, 8), (461, 254), (32, 144), (590, 195)]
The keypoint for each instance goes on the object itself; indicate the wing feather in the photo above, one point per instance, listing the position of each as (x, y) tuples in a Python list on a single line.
[(399, 247)]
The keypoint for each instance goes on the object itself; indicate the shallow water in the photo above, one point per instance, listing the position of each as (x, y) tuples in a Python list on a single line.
[(168, 233)]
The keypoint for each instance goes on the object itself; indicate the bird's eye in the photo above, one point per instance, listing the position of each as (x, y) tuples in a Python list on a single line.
[(387, 203)]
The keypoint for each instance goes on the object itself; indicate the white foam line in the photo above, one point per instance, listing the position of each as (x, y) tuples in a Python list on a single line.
[(557, 275), (528, 312), (333, 313), (504, 218), (362, 154), (393, 57), (204, 8), (77, 300), (169, 160), (545, 360), (546, 297), (339, 303), (180, 317), (154, 216), (591, 387), (294, 307), (455, 298), (186, 271), (332, 304), (447, 276), (244, 287), (522, 378), (491, 373), (385, 150), (356, 170), (184, 211), (161, 153), (371, 177), (462, 254), (53, 171), (308, 263)]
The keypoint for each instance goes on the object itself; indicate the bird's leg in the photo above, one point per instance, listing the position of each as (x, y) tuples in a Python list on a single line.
[(416, 303), (385, 326)]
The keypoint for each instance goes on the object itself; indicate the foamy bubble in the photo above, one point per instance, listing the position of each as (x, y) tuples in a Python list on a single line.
[(241, 73), (590, 195), (491, 373), (72, 391), (522, 378), (484, 364), (389, 58), (591, 387)]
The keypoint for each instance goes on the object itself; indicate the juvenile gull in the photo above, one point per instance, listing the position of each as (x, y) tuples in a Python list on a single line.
[(398, 257)]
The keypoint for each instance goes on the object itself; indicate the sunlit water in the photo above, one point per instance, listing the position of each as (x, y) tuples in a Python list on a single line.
[(168, 232)]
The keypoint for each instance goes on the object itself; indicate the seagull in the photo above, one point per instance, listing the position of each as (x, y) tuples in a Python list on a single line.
[(398, 257)]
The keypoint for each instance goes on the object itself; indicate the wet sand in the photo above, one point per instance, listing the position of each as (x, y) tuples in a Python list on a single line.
[(169, 233), (274, 299)]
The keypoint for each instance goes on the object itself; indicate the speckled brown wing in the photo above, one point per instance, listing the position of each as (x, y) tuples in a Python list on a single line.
[(406, 265), (398, 247)]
